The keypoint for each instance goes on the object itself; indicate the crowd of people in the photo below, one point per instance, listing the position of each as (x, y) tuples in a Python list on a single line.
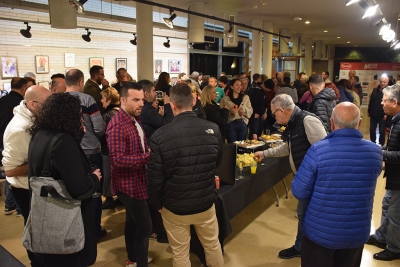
[(155, 146)]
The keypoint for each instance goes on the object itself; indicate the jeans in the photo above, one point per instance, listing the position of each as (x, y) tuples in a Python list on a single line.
[(301, 212), (255, 126), (236, 131), (138, 228), (9, 198), (374, 121), (389, 230), (97, 159)]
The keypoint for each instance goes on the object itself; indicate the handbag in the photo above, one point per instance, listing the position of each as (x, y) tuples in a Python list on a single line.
[(55, 224)]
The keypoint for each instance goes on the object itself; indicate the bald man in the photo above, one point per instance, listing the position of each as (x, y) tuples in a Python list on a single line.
[(16, 143), (337, 222)]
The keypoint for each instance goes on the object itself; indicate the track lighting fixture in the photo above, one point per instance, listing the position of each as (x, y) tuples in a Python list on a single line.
[(166, 44), (190, 45), (78, 6), (86, 36), (26, 32), (228, 33), (134, 42), (208, 47), (168, 21), (370, 11), (349, 2)]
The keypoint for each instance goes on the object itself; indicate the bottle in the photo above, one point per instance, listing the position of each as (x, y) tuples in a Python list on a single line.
[(217, 182)]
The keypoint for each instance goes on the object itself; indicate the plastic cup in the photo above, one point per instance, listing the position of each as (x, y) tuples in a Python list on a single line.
[(253, 167)]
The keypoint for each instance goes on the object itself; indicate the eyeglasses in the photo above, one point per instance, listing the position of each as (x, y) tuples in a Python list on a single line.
[(273, 114)]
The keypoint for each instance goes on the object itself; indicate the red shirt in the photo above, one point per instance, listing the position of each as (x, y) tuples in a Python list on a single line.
[(127, 156)]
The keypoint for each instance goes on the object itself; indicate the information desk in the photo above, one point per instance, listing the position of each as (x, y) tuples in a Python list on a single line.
[(232, 199)]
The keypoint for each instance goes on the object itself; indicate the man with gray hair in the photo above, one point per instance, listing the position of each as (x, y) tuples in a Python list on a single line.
[(194, 78), (388, 234), (303, 130), (337, 221)]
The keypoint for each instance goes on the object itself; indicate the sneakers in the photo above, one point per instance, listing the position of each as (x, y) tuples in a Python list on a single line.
[(133, 264), (19, 214), (372, 241), (8, 211), (289, 253), (387, 255)]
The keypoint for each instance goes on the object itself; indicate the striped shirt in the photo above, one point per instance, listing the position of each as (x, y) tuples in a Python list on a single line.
[(127, 156)]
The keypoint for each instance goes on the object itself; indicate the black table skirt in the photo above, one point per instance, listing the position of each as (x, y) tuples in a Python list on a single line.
[(232, 199)]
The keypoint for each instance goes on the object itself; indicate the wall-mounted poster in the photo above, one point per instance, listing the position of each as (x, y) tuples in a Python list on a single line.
[(42, 64), (69, 60), (99, 61), (158, 66), (121, 63), (174, 66), (9, 67), (7, 87), (44, 84)]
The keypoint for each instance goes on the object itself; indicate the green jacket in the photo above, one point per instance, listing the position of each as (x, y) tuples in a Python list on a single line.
[(93, 89)]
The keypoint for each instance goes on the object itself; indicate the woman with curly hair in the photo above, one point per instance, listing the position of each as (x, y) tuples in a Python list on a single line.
[(163, 83), (61, 113)]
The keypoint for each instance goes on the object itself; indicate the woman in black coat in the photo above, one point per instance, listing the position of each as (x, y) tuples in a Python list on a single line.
[(213, 111), (61, 113)]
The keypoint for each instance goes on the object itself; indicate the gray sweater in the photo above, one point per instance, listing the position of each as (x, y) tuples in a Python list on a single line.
[(94, 124)]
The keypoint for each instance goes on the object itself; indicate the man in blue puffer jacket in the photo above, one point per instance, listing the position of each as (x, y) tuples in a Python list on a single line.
[(338, 176)]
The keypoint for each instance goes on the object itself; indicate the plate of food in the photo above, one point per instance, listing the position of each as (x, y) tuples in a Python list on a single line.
[(249, 143), (270, 138)]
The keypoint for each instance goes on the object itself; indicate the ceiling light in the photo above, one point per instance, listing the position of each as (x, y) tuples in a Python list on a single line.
[(190, 45), (26, 32), (397, 46), (389, 36), (370, 11), (348, 42), (325, 31), (168, 21), (78, 6), (228, 33), (86, 36), (166, 44), (134, 41), (338, 37), (297, 18), (376, 19), (349, 2), (384, 29), (307, 22), (394, 43), (255, 7)]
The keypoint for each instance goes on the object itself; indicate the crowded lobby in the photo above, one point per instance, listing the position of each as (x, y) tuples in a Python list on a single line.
[(201, 133)]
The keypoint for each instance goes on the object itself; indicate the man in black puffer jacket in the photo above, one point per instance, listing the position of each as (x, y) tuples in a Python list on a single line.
[(183, 159), (389, 231), (323, 102)]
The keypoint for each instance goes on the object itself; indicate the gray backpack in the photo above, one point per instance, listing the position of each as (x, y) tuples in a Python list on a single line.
[(55, 224)]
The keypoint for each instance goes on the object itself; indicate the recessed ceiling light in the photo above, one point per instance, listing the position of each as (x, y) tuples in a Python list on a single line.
[(338, 37), (297, 18), (356, 45), (255, 7), (307, 22), (348, 42), (325, 31)]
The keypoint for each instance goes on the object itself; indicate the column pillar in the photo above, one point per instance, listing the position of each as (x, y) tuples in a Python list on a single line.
[(308, 55), (144, 30), (331, 62), (196, 23), (267, 49), (318, 50), (256, 47), (296, 44), (323, 50), (283, 47)]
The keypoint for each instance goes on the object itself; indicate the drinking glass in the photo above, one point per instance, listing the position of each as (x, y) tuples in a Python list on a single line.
[(241, 169), (253, 167), (93, 167)]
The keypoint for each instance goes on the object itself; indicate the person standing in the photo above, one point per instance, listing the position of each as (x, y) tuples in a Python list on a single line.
[(303, 129), (173, 167), (7, 105), (92, 85), (376, 114), (122, 77), (257, 100), (95, 127), (337, 222), (388, 233), (129, 154), (58, 83)]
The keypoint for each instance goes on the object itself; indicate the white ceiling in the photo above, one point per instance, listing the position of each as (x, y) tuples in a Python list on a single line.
[(330, 15)]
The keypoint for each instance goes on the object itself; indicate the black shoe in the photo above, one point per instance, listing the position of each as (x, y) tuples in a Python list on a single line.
[(118, 202), (372, 241), (108, 204), (387, 255), (100, 234), (289, 253)]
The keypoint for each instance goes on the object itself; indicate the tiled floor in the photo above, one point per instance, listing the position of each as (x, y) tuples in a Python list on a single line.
[(259, 233)]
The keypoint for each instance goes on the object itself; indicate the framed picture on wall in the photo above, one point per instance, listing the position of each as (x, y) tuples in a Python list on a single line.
[(121, 63), (157, 66), (174, 79), (42, 64), (174, 66), (7, 87), (99, 61), (69, 60), (44, 84), (9, 67)]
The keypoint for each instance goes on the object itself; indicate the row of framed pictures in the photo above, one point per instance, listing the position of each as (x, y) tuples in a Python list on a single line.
[(9, 64), (174, 66)]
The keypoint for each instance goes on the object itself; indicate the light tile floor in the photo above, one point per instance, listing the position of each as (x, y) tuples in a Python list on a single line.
[(259, 232)]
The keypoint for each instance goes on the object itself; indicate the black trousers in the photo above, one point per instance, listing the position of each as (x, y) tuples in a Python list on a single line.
[(314, 255), (23, 200)]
